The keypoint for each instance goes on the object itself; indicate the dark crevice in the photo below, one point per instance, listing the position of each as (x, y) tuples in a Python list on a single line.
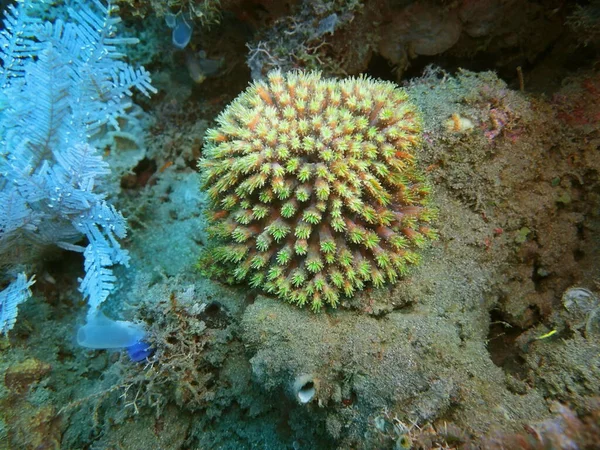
[(502, 346), (380, 68), (215, 316), (141, 176)]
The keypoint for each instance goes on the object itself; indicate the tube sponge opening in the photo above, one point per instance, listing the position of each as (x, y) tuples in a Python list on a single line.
[(101, 332), (304, 388)]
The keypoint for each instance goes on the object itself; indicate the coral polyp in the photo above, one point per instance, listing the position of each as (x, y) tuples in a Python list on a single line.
[(314, 187)]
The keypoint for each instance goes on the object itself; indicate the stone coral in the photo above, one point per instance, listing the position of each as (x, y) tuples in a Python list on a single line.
[(314, 187)]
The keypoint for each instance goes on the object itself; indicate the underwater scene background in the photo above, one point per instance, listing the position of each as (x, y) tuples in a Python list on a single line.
[(303, 224)]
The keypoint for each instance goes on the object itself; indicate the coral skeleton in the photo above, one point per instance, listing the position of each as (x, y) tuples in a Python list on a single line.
[(314, 187)]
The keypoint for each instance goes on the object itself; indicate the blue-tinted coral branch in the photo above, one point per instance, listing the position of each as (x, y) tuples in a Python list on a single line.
[(11, 297), (61, 83)]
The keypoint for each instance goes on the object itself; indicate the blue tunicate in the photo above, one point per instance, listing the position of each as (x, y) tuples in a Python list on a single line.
[(171, 20), (327, 25), (209, 66), (140, 351), (182, 33), (101, 332)]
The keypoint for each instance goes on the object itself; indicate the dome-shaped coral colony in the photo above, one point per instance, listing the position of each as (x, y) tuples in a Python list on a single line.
[(313, 187)]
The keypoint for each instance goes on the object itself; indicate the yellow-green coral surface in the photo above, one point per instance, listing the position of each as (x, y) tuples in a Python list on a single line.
[(314, 188)]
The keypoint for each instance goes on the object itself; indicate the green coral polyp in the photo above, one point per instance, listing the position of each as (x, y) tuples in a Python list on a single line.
[(314, 187)]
